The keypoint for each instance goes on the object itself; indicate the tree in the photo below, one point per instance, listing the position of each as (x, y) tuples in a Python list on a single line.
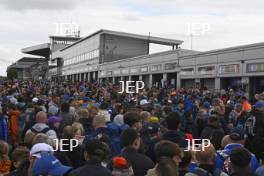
[(12, 73)]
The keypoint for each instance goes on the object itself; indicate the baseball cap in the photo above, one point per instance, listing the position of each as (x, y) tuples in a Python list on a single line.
[(239, 106), (237, 134), (35, 100), (259, 104), (260, 96), (37, 149), (13, 100), (206, 105), (54, 119), (53, 110), (49, 164), (143, 102)]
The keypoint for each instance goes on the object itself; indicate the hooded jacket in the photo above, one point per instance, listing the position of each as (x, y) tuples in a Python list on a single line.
[(13, 125)]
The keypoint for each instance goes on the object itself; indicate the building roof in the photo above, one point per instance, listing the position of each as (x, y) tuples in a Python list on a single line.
[(226, 50), (151, 39), (64, 37), (26, 62), (38, 50)]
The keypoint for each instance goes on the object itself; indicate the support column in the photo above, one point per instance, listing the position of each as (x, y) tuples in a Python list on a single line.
[(164, 80), (84, 77), (140, 77), (88, 77), (217, 84), (150, 80), (94, 76), (129, 78), (178, 82), (122, 78)]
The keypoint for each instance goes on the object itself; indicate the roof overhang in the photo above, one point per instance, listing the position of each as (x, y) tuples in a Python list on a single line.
[(150, 39), (38, 50)]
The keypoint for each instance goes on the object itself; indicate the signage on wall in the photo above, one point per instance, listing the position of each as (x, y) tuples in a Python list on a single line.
[(144, 69), (125, 71), (187, 72), (156, 67), (170, 66), (116, 72), (206, 70), (229, 69), (133, 70), (255, 67)]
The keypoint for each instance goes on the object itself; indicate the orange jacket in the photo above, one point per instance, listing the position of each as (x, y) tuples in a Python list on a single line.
[(247, 106), (13, 125), (5, 166)]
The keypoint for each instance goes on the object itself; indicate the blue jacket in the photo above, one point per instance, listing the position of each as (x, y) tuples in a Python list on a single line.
[(3, 128), (219, 162)]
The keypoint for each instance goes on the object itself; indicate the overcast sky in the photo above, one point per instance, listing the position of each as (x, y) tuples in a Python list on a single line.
[(214, 23)]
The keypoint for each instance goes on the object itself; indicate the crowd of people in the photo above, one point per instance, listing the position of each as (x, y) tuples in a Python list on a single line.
[(86, 128)]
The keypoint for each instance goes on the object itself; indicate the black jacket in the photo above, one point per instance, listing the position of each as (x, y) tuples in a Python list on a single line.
[(91, 168), (209, 130), (139, 162), (176, 137)]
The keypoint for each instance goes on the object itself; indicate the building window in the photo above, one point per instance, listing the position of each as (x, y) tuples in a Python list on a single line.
[(206, 70), (229, 69), (170, 66), (187, 71), (255, 67)]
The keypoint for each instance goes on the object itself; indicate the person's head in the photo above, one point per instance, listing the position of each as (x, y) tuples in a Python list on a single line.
[(28, 139), (83, 113), (118, 108), (133, 120), (48, 164), (119, 120), (4, 149), (145, 116), (216, 139), (206, 154), (93, 111), (41, 117), (99, 121), (54, 121), (130, 138), (185, 160), (40, 138), (19, 155), (238, 107), (173, 121), (243, 99), (96, 150), (237, 136), (259, 106), (240, 159), (181, 104), (121, 167), (168, 149), (78, 129), (213, 120), (37, 149), (65, 107), (67, 132), (166, 167)]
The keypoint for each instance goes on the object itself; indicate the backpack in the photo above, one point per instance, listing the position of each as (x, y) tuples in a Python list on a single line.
[(45, 130), (250, 125)]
